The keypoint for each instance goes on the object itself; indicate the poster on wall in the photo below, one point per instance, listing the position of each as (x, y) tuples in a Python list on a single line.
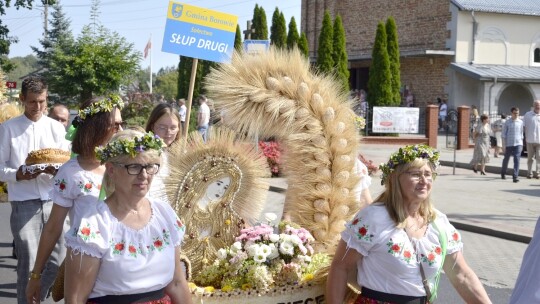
[(395, 120)]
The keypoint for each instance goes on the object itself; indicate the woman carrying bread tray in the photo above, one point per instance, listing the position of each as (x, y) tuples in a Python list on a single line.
[(126, 248), (400, 243), (77, 183)]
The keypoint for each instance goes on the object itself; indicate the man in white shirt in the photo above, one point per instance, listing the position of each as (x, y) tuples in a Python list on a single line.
[(29, 192), (182, 111), (443, 110), (531, 123), (203, 117)]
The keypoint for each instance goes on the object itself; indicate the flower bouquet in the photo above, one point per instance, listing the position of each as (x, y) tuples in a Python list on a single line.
[(262, 261), (272, 151)]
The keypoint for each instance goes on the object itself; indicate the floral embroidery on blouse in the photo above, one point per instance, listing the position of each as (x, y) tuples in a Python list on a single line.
[(61, 184), (133, 251), (455, 239), (362, 229), (86, 233), (157, 244), (87, 187), (432, 255), (118, 247), (398, 250)]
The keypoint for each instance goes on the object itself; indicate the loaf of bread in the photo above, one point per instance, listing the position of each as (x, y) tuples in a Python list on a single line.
[(47, 156)]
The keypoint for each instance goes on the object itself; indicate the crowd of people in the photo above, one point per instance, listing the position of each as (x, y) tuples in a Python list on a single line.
[(510, 136), (122, 240)]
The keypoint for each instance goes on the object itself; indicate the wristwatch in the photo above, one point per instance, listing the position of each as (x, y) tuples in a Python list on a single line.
[(34, 276)]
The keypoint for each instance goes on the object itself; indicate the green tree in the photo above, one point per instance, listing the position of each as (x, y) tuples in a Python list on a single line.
[(256, 23), (58, 39), (5, 39), (292, 37), (23, 66), (263, 30), (167, 82), (273, 27), (325, 61), (278, 31), (259, 24), (339, 55), (380, 78), (303, 45), (184, 75), (238, 39), (393, 55), (99, 62)]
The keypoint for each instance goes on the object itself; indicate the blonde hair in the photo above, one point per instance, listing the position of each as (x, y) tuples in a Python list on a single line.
[(392, 197), (149, 155)]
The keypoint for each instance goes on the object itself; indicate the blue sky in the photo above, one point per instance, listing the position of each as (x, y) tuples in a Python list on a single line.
[(135, 20)]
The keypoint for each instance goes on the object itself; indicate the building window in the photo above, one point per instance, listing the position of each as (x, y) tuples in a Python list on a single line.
[(537, 55)]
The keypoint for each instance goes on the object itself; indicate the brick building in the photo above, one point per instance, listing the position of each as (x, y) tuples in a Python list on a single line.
[(468, 51)]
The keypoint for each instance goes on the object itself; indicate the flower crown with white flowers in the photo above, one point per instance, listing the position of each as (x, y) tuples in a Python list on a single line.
[(105, 105), (406, 155), (130, 147)]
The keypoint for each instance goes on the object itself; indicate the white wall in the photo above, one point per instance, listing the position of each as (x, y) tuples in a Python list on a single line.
[(500, 38)]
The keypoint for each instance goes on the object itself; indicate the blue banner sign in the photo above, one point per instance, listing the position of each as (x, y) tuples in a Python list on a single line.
[(199, 32)]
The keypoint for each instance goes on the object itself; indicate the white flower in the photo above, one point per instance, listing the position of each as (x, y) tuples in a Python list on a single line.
[(274, 238), (252, 249), (235, 247), (274, 252), (295, 239), (259, 258), (264, 249), (286, 248), (222, 254)]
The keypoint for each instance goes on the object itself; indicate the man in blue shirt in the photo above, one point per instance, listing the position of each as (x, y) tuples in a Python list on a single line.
[(512, 135)]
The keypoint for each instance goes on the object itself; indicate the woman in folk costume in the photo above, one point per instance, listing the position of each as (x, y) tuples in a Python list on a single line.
[(400, 243), (126, 248)]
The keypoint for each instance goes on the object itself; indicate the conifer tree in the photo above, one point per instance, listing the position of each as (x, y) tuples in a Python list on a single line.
[(325, 61), (341, 60), (292, 36), (303, 45), (263, 30), (282, 31), (259, 24), (278, 30), (393, 55), (256, 23), (59, 37), (380, 78), (238, 39), (273, 27)]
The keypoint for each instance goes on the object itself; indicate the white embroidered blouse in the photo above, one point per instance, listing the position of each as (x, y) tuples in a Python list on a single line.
[(132, 261), (75, 188), (390, 263)]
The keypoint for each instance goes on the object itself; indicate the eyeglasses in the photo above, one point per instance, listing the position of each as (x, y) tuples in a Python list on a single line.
[(136, 169), (416, 175), (163, 128)]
